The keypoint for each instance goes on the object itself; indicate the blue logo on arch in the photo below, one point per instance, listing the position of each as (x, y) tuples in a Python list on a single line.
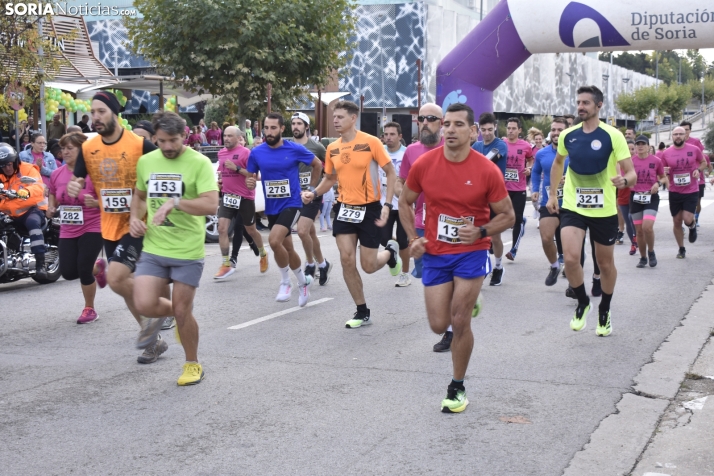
[(452, 98), (573, 13)]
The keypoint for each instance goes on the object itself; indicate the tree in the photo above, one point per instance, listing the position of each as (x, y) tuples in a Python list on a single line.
[(709, 138), (692, 64), (673, 99), (234, 49), (639, 103)]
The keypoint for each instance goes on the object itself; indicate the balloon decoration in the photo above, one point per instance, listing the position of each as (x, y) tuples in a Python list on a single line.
[(22, 115), (124, 123), (171, 105), (56, 99)]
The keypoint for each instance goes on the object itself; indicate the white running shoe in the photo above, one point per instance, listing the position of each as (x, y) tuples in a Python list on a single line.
[(404, 280), (284, 293), (304, 292)]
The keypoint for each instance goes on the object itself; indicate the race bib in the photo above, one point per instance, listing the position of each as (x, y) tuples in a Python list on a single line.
[(277, 188), (559, 193), (305, 178), (71, 215), (448, 229), (165, 186), (423, 214), (351, 214), (511, 175), (116, 200), (231, 201), (642, 197), (214, 142), (590, 197), (682, 179)]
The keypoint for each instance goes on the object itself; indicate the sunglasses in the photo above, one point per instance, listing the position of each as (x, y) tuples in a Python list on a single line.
[(420, 119)]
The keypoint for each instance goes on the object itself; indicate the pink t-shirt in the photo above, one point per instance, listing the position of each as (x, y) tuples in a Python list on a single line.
[(413, 152), (234, 182), (214, 135), (58, 187), (659, 153), (702, 178), (696, 143), (518, 154), (682, 162), (647, 170)]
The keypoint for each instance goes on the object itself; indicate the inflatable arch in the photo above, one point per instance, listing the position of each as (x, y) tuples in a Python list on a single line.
[(516, 29)]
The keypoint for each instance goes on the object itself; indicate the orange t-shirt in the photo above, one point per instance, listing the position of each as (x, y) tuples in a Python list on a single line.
[(357, 166), (112, 168)]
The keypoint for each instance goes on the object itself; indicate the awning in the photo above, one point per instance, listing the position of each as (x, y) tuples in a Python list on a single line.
[(327, 98)]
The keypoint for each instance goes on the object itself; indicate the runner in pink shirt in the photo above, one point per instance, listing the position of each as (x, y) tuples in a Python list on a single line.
[(518, 166), (683, 163), (702, 180)]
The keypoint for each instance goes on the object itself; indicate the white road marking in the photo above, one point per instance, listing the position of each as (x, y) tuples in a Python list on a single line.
[(278, 314)]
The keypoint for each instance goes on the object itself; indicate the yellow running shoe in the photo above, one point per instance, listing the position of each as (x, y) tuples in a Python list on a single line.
[(579, 320), (192, 374), (264, 263)]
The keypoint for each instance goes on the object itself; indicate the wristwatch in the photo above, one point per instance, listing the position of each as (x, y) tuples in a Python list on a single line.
[(625, 181), (389, 205), (483, 231), (177, 200), (312, 189)]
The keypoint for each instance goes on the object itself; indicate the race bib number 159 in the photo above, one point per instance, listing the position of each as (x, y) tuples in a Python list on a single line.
[(116, 200)]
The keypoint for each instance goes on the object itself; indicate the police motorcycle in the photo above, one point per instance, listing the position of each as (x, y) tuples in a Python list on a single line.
[(16, 260)]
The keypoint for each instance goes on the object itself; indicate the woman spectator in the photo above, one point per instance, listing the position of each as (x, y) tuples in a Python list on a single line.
[(24, 141), (213, 136), (54, 148), (535, 137), (80, 229), (327, 200), (194, 140), (36, 155), (202, 125)]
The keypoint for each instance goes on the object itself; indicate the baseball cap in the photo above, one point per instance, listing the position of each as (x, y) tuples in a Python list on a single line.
[(303, 116), (146, 125), (642, 138)]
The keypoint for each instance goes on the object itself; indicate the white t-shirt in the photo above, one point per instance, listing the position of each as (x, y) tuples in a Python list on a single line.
[(397, 162)]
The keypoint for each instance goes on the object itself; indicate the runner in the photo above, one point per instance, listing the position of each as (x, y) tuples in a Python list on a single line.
[(624, 220), (110, 160), (702, 181), (683, 163), (518, 167), (80, 228), (395, 149), (300, 124), (549, 222), (429, 121), (644, 200), (278, 162), (239, 226), (496, 150), (590, 201), (237, 202), (353, 162), (459, 186), (175, 189)]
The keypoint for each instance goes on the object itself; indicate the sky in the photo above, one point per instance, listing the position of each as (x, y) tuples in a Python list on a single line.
[(708, 54)]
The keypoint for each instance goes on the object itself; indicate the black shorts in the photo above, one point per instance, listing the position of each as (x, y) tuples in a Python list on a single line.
[(702, 187), (683, 202), (544, 213), (603, 230), (125, 251), (246, 211), (312, 209), (288, 217), (641, 207), (389, 229), (368, 233)]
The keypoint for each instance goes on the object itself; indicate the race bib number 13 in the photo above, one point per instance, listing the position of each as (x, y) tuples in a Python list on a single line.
[(116, 200), (448, 229), (590, 197)]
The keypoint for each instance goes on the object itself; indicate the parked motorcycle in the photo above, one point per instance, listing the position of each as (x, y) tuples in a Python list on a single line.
[(16, 260)]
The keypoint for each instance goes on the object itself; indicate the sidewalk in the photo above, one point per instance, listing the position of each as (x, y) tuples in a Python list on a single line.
[(665, 426)]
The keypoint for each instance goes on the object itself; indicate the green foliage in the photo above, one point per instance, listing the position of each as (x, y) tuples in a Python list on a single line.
[(673, 99), (639, 103), (217, 111), (709, 138), (696, 89), (692, 62), (235, 48), (542, 123)]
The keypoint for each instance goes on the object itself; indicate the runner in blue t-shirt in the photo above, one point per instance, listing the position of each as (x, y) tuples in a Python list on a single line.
[(278, 163)]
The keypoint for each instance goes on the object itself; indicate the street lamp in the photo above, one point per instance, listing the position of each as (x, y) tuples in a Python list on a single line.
[(626, 80), (381, 17), (605, 78), (704, 107), (571, 75)]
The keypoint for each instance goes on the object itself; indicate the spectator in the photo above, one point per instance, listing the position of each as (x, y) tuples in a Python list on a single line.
[(146, 130), (248, 132), (257, 141), (214, 135), (55, 129), (24, 141), (53, 147), (36, 155), (202, 125), (22, 129), (83, 124), (194, 140), (74, 128), (223, 129)]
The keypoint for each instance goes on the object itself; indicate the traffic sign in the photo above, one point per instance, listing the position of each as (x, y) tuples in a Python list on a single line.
[(15, 95)]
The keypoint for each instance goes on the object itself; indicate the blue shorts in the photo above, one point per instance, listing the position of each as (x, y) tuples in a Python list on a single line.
[(440, 269)]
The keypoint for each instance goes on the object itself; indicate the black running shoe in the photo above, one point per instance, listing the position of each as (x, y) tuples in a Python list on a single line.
[(596, 289), (444, 345), (570, 292), (254, 247), (682, 253), (310, 270), (552, 276), (653, 259), (325, 273), (642, 263), (693, 234), (620, 235), (496, 277)]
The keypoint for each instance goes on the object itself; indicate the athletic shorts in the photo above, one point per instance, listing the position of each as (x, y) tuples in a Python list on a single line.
[(125, 251), (312, 209), (683, 202), (288, 217), (440, 269), (246, 210), (544, 213), (603, 230), (186, 271), (388, 230), (702, 187), (367, 231), (644, 211)]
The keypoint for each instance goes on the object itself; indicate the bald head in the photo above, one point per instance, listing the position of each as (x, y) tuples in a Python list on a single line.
[(679, 135), (431, 109), (430, 130), (74, 128)]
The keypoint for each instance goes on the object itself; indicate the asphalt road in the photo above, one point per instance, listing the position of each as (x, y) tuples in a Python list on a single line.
[(300, 394)]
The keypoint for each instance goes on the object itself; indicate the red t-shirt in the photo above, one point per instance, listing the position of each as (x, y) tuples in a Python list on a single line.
[(453, 190)]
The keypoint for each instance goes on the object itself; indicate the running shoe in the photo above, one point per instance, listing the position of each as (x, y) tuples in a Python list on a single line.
[(570, 292), (150, 328), (284, 292), (496, 277), (477, 307), (620, 235), (88, 315), (358, 320), (304, 292), (604, 324), (234, 261), (693, 234), (101, 276), (223, 272), (192, 374), (395, 262), (403, 280), (254, 247), (633, 249), (310, 270), (552, 277), (325, 273), (264, 263), (151, 354), (597, 288), (642, 263), (579, 320), (511, 255), (444, 345), (561, 260), (169, 323), (682, 253), (455, 401), (653, 259)]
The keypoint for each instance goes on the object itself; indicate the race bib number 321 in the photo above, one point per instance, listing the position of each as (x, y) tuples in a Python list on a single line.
[(116, 200), (590, 197)]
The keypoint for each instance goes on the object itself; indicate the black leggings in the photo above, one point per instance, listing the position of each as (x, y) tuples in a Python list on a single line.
[(596, 268), (239, 232), (518, 199), (77, 257), (388, 230)]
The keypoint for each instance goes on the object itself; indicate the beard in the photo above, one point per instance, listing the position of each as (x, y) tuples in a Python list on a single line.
[(298, 134), (679, 143), (109, 128), (272, 140), (428, 138)]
